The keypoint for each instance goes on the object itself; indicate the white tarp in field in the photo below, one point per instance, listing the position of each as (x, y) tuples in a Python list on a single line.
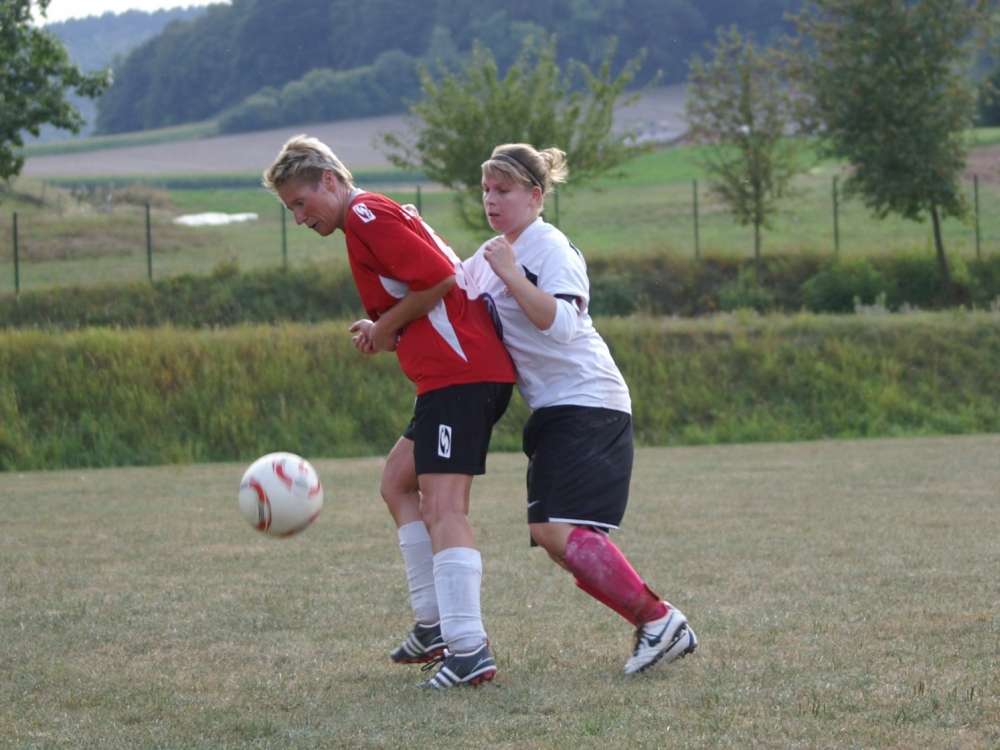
[(213, 219)]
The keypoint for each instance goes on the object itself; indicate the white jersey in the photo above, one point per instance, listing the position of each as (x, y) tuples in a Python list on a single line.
[(580, 372)]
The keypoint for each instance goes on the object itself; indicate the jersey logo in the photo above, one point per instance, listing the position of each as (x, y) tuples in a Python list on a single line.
[(444, 441), (364, 213)]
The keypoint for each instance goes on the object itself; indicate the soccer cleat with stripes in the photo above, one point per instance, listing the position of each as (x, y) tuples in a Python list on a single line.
[(423, 644), (459, 669), (664, 640)]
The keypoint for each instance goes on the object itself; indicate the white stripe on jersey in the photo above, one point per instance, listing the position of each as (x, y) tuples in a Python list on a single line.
[(439, 320), (395, 287)]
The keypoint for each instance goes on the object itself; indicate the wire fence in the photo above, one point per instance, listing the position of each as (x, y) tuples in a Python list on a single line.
[(79, 237)]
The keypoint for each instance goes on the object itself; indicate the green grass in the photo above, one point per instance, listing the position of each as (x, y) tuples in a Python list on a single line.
[(647, 212), (844, 593)]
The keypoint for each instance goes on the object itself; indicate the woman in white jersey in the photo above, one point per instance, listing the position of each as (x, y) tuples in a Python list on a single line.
[(579, 436)]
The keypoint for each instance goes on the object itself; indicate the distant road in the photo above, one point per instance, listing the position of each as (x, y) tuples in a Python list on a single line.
[(656, 116)]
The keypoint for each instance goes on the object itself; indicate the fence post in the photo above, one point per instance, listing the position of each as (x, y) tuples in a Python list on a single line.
[(975, 188), (149, 245), (836, 218), (284, 239), (420, 208), (556, 197), (17, 277), (697, 241)]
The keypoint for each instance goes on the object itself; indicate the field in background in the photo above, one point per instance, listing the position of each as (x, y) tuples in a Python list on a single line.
[(844, 593), (649, 211)]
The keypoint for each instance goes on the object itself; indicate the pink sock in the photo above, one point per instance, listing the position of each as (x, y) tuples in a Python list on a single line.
[(603, 572)]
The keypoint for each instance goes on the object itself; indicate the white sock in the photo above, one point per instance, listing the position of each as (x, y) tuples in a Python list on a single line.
[(415, 544), (458, 574)]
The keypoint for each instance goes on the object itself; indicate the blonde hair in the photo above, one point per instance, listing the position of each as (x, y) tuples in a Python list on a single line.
[(523, 164), (304, 159)]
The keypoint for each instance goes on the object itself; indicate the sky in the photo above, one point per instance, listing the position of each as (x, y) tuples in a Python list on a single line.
[(61, 10)]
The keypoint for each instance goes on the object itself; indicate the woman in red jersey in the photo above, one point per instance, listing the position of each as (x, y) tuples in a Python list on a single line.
[(421, 306)]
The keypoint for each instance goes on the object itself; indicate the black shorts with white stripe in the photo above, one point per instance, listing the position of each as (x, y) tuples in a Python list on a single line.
[(452, 426), (580, 465)]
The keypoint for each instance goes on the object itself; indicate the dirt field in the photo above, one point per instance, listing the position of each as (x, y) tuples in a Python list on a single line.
[(657, 115)]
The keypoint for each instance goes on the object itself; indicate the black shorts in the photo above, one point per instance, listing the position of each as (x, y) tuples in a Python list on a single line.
[(580, 465), (452, 426)]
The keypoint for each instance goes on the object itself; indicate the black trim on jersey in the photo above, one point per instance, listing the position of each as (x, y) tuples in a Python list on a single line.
[(491, 307), (577, 302), (532, 277)]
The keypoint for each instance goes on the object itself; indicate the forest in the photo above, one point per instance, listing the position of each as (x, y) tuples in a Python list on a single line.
[(258, 63)]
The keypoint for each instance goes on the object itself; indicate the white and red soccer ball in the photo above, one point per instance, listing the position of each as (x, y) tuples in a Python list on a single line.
[(280, 494)]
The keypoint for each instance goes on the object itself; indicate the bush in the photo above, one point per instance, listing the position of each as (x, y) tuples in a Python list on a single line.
[(839, 283), (225, 298)]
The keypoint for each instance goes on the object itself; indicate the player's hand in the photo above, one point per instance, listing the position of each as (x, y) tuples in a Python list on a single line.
[(500, 255), (383, 339), (362, 340)]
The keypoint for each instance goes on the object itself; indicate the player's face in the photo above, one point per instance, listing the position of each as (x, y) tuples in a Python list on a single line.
[(510, 208), (321, 207)]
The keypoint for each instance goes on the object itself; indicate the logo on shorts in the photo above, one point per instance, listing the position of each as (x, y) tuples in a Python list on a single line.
[(444, 441), (364, 213)]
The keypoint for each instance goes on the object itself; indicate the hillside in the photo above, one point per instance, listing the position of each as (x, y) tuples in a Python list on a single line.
[(94, 42), (253, 60)]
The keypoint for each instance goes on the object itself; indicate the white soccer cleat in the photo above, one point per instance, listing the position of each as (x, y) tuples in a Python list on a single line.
[(665, 639)]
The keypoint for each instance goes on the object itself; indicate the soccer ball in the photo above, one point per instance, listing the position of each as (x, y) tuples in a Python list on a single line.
[(280, 494)]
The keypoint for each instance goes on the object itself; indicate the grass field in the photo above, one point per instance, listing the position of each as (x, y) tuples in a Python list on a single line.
[(845, 595), (649, 211)]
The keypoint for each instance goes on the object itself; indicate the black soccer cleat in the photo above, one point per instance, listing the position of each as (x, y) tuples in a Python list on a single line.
[(423, 644)]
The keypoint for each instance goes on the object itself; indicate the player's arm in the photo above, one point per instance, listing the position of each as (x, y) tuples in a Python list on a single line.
[(540, 307), (384, 331)]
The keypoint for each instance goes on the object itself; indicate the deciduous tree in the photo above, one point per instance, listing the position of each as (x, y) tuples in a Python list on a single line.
[(891, 97), (462, 117), (35, 74), (741, 108)]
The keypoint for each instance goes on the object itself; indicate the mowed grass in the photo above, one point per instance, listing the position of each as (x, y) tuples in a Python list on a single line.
[(648, 211), (845, 595)]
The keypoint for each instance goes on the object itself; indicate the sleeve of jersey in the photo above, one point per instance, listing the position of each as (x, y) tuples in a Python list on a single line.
[(564, 276), (405, 252)]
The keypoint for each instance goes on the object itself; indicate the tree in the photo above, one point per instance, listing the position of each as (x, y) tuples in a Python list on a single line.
[(742, 109), (35, 74), (891, 97), (463, 117), (989, 100)]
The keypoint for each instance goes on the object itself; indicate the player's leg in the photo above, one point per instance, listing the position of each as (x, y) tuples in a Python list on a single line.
[(452, 434), (458, 574), (578, 479), (401, 493), (600, 569)]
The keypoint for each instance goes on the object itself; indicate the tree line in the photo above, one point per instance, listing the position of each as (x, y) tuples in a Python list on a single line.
[(249, 60)]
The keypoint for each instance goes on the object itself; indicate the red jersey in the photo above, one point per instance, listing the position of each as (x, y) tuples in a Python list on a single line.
[(392, 252)]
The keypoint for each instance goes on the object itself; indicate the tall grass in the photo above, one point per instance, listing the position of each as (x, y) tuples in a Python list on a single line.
[(100, 397)]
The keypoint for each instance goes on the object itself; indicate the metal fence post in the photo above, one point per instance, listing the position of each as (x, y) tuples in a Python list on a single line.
[(975, 188), (420, 208), (836, 218), (697, 241), (284, 239), (149, 245), (555, 195), (17, 276)]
